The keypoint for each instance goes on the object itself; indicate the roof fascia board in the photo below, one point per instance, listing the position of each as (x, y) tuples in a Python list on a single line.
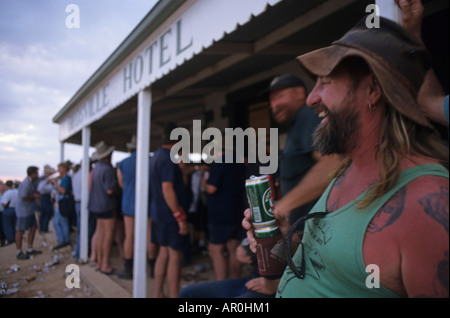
[(160, 12)]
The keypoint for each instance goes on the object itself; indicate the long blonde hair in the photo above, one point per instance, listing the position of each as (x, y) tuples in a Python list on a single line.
[(400, 138)]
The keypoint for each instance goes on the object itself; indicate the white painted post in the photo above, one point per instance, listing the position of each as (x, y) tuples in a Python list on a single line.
[(61, 152), (141, 203), (390, 10), (84, 213)]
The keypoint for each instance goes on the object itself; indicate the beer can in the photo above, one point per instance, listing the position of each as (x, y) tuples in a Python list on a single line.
[(260, 198), (269, 251)]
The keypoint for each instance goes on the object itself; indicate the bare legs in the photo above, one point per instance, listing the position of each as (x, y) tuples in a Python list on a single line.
[(168, 264), (216, 251), (30, 237), (128, 243), (103, 243)]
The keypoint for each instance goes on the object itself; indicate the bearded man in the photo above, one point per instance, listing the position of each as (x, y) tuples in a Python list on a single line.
[(381, 227)]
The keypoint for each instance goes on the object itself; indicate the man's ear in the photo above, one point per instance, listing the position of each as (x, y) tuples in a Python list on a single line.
[(375, 93)]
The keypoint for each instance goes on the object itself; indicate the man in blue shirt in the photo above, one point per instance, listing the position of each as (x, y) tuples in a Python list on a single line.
[(304, 172), (26, 219), (126, 177), (226, 201), (64, 211), (169, 225)]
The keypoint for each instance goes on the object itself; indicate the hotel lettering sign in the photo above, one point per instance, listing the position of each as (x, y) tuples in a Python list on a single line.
[(156, 55), (197, 28), (136, 75)]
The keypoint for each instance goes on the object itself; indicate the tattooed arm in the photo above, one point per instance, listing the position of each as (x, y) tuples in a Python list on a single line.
[(408, 239), (425, 251)]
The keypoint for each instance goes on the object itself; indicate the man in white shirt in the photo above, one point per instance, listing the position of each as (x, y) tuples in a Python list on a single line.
[(8, 203), (45, 188)]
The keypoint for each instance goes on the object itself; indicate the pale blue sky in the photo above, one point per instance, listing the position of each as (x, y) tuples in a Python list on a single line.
[(42, 65)]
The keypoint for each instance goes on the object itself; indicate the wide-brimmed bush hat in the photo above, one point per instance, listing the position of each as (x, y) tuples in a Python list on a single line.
[(102, 151), (396, 57)]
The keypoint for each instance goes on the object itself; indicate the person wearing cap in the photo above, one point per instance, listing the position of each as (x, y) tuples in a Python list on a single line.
[(303, 172), (169, 225), (381, 227), (126, 177), (102, 203)]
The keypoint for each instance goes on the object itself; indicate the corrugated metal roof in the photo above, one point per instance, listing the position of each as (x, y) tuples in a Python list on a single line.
[(265, 42)]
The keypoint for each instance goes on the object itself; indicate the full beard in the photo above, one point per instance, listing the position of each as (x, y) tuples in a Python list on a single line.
[(339, 135)]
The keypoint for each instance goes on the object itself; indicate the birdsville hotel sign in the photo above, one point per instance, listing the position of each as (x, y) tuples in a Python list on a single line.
[(197, 28)]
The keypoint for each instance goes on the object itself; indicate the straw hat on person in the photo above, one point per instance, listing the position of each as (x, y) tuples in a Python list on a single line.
[(48, 170), (396, 58), (102, 151), (132, 144)]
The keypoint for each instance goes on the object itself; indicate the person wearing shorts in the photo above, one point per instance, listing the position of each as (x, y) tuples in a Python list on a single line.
[(26, 220), (126, 177), (102, 203), (169, 226), (225, 187), (166, 234)]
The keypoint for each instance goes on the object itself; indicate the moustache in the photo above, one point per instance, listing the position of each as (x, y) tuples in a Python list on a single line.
[(322, 110)]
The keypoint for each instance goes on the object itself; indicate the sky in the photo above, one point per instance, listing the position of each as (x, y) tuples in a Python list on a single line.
[(43, 63)]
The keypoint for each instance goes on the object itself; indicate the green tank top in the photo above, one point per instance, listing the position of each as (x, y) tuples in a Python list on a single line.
[(334, 265)]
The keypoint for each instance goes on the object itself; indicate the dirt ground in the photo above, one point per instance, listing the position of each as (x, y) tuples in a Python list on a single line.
[(44, 276)]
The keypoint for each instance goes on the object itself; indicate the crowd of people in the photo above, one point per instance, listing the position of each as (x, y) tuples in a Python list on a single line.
[(363, 179), (32, 204)]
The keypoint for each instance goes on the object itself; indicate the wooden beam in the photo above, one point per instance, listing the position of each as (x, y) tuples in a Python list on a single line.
[(207, 72), (301, 22), (168, 104), (288, 49), (308, 18), (126, 126), (182, 114), (227, 48)]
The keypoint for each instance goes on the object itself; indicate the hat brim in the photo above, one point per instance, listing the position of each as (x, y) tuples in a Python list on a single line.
[(322, 62), (100, 155), (131, 146), (49, 172)]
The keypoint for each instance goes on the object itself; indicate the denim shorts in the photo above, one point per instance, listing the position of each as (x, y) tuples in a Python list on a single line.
[(25, 223)]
